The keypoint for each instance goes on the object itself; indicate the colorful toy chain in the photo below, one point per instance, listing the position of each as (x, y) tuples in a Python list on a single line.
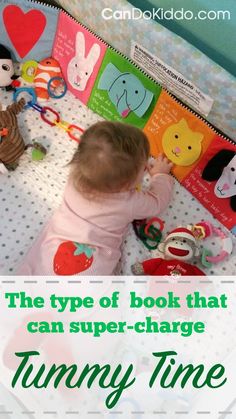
[(74, 131), (148, 233), (205, 229), (71, 129)]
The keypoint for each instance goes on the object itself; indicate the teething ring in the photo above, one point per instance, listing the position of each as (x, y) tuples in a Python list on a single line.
[(226, 250), (46, 110), (37, 107), (28, 71), (150, 223), (150, 246), (51, 90), (150, 242), (148, 233), (136, 226), (205, 229), (28, 90), (62, 125), (72, 128)]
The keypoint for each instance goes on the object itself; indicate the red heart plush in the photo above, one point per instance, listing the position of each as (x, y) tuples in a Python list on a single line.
[(24, 29)]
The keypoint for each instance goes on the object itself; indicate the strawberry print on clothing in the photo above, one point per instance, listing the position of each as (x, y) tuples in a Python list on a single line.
[(72, 258)]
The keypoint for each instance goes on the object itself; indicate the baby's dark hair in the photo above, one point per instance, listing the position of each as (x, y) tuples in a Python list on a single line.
[(109, 158)]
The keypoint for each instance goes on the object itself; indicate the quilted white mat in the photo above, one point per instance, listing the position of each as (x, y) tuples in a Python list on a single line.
[(29, 195)]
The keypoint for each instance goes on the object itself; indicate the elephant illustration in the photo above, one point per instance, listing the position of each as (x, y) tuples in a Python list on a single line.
[(125, 91)]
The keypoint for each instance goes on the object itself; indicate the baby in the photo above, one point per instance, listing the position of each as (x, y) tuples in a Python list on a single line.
[(100, 200)]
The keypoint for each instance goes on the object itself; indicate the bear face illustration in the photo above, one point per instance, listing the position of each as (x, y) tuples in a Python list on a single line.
[(181, 145)]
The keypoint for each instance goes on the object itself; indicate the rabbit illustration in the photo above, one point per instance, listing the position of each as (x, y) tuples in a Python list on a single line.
[(80, 67)]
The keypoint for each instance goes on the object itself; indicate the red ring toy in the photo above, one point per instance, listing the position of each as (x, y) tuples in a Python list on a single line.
[(74, 127), (43, 116), (152, 221)]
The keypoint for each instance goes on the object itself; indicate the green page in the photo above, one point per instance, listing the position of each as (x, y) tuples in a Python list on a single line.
[(122, 92)]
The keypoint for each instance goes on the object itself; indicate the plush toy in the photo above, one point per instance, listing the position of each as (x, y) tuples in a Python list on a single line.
[(48, 69), (12, 145), (179, 247), (38, 151), (7, 76)]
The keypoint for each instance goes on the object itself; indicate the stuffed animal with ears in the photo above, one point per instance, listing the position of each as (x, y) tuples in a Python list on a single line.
[(7, 76), (179, 248), (12, 145), (222, 170)]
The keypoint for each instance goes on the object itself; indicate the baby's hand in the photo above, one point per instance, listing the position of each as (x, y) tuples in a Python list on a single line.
[(160, 165)]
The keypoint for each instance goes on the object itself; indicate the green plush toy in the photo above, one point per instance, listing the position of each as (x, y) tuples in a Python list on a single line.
[(38, 151)]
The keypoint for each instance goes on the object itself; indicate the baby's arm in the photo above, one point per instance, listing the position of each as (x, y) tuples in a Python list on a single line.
[(155, 200)]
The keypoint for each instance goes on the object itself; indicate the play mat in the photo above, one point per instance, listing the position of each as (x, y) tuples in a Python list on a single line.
[(204, 172)]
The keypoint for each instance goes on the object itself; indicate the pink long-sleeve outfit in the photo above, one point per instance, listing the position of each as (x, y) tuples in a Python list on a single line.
[(84, 236)]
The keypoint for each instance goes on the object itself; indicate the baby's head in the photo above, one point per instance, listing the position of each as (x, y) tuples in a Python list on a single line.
[(110, 158)]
